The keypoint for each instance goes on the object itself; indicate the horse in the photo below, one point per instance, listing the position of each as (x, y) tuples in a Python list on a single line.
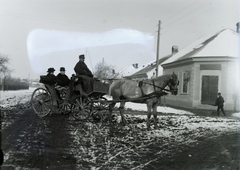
[(147, 91)]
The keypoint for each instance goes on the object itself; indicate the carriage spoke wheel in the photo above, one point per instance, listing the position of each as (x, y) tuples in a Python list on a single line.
[(100, 110), (81, 109), (65, 108), (41, 102)]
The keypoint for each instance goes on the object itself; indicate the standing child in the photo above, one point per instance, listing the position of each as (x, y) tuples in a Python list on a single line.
[(219, 103)]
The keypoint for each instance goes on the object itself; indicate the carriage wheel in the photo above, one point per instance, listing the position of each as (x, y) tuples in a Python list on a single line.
[(100, 110), (81, 109), (65, 108), (41, 102)]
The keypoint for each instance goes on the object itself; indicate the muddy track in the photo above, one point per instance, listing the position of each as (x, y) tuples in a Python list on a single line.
[(59, 142), (32, 142)]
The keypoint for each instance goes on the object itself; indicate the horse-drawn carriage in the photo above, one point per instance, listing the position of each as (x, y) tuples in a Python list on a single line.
[(71, 100)]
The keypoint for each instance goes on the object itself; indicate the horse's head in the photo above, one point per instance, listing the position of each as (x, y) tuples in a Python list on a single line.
[(173, 83)]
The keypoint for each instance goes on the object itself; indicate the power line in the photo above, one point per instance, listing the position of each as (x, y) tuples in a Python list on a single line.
[(193, 11), (179, 11), (195, 16)]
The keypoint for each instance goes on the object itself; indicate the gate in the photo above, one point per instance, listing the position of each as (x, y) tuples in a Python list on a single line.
[(209, 89)]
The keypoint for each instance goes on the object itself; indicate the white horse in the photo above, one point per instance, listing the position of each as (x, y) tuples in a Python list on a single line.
[(147, 91)]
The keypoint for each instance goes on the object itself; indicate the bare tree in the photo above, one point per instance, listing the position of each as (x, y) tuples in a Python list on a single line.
[(104, 71), (4, 70)]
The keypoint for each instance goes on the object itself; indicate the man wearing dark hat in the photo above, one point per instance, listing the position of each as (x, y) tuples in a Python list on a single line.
[(51, 77), (84, 74), (62, 78), (219, 103)]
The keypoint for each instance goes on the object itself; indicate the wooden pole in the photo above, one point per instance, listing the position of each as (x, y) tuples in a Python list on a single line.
[(158, 44)]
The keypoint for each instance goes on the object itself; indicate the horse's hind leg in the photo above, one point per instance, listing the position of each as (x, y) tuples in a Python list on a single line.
[(111, 106), (121, 109)]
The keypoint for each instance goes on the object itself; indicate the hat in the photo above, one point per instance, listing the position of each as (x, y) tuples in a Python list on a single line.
[(82, 56), (62, 69), (51, 69), (219, 93)]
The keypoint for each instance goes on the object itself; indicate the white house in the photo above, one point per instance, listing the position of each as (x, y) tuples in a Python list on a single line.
[(206, 67)]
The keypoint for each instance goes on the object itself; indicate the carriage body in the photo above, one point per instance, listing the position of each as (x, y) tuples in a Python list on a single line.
[(50, 98)]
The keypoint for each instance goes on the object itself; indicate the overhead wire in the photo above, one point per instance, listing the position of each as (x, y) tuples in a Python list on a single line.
[(199, 14), (192, 11), (179, 11)]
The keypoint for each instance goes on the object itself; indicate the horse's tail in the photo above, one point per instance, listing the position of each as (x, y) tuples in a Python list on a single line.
[(112, 89)]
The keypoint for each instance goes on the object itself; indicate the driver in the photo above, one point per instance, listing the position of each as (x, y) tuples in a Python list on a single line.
[(86, 76)]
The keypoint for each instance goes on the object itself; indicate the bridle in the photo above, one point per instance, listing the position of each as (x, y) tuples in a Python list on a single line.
[(170, 82)]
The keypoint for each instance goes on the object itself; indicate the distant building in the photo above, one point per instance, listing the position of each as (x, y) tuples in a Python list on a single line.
[(204, 68), (149, 71)]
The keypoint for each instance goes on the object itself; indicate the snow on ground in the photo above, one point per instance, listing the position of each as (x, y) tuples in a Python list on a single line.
[(143, 107), (11, 98), (236, 114)]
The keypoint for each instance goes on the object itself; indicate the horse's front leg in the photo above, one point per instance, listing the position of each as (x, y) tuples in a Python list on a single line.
[(155, 116), (149, 108), (121, 109)]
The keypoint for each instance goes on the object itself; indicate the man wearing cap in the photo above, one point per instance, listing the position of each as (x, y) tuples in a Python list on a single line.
[(81, 68), (62, 78), (219, 103), (85, 74)]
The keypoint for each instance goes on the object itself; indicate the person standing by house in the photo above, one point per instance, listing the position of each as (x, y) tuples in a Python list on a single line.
[(219, 103), (62, 78), (153, 76)]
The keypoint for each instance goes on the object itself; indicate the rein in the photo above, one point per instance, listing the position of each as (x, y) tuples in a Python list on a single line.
[(155, 86)]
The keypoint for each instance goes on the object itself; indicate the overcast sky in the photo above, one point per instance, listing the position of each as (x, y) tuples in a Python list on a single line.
[(37, 34)]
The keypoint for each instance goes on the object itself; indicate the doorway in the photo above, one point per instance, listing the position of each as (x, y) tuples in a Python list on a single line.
[(209, 89)]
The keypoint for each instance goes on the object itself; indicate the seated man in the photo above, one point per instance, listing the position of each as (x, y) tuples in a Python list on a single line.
[(62, 78), (51, 78), (85, 75), (62, 82)]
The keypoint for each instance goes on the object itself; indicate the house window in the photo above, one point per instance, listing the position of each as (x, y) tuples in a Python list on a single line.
[(185, 81)]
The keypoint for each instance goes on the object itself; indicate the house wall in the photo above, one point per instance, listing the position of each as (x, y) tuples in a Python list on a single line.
[(232, 97), (228, 84), (197, 85), (181, 99)]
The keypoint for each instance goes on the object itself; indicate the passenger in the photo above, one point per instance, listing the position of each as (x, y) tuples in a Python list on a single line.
[(52, 79), (62, 78), (85, 75)]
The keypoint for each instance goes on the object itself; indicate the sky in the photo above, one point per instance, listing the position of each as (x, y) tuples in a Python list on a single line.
[(38, 34)]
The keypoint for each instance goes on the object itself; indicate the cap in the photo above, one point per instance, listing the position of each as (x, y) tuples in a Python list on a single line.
[(82, 56)]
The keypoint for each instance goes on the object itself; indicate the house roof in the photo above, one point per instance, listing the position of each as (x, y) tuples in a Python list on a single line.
[(151, 66), (223, 44), (128, 71)]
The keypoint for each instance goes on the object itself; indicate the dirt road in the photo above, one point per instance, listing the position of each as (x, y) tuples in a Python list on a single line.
[(59, 142)]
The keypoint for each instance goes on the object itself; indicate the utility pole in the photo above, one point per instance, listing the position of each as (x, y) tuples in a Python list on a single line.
[(158, 44)]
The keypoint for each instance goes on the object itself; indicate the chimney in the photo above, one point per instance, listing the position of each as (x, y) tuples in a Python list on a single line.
[(238, 27), (135, 65), (174, 49)]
